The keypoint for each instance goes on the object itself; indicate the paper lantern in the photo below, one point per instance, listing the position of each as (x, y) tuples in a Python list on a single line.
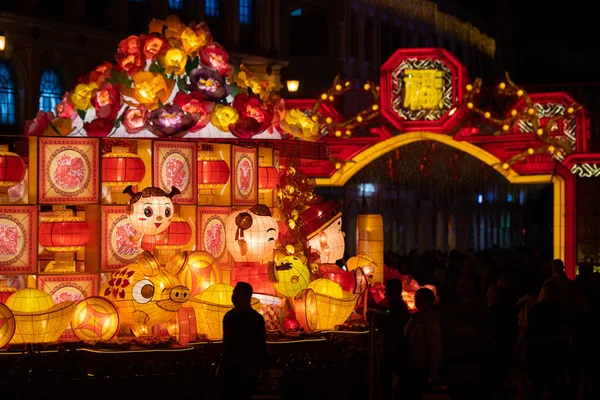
[(120, 168), (251, 234), (350, 281), (146, 294), (5, 291), (268, 178), (200, 272), (292, 281), (334, 306), (211, 306), (260, 276), (177, 235), (150, 213), (212, 173), (369, 240), (363, 262), (63, 235), (95, 318), (322, 227), (38, 319), (7, 325), (305, 306), (183, 327), (12, 171)]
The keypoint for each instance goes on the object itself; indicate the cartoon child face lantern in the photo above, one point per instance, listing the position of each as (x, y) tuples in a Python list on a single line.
[(251, 234), (323, 229), (150, 213)]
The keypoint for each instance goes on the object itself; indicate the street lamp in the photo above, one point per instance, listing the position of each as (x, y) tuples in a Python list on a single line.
[(292, 85), (2, 41)]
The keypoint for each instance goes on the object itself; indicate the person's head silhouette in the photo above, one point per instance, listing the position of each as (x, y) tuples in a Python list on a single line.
[(393, 291), (558, 266), (424, 299), (242, 294)]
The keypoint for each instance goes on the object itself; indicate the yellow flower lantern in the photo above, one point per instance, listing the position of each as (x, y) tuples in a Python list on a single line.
[(292, 281), (95, 318), (200, 272), (146, 294), (38, 319), (251, 234), (211, 306), (334, 306), (7, 325)]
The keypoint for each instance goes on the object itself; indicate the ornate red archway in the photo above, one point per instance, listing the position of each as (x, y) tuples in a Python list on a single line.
[(425, 94)]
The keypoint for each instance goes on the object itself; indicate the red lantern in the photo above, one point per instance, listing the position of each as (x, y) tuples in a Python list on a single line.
[(178, 234), (212, 173), (121, 168), (268, 178), (63, 235), (12, 171)]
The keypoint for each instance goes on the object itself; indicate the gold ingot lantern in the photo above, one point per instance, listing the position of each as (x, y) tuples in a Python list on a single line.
[(38, 319), (334, 306), (211, 306), (7, 325)]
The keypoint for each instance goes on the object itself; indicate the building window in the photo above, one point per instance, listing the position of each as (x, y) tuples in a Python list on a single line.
[(176, 5), (51, 89), (245, 11), (212, 8), (8, 95)]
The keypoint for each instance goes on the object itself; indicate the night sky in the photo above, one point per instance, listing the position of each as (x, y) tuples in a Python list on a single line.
[(547, 42)]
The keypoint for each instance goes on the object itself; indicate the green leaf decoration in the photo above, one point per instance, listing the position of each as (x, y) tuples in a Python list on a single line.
[(191, 65), (82, 114), (156, 68), (181, 86), (235, 90)]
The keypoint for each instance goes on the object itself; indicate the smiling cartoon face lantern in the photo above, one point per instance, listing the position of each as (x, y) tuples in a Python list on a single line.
[(251, 234), (322, 226), (146, 294), (150, 213)]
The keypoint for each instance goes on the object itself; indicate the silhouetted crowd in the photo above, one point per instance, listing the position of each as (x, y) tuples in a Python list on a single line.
[(504, 325)]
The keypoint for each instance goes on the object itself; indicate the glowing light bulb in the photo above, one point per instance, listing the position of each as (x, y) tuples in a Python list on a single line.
[(487, 114), (469, 87), (338, 165), (324, 96), (540, 131), (469, 105), (519, 93), (530, 111), (505, 166), (530, 151), (505, 128), (338, 133), (348, 132), (502, 85), (513, 112), (367, 86), (328, 120), (338, 87), (359, 119), (375, 107)]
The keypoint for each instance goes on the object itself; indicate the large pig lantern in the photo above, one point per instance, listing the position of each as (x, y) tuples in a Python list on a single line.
[(251, 234), (150, 213), (146, 294)]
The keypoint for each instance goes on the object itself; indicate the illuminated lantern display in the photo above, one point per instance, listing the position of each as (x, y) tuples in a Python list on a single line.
[(7, 325), (251, 234), (38, 319), (95, 318), (351, 281), (211, 306), (174, 239), (150, 213), (200, 272), (268, 178), (212, 173), (363, 262), (120, 169), (5, 291), (369, 240), (183, 327), (292, 281), (63, 235), (322, 226), (305, 306), (334, 306), (146, 294), (12, 171)]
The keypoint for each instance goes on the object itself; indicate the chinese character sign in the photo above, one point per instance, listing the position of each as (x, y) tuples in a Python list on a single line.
[(423, 89)]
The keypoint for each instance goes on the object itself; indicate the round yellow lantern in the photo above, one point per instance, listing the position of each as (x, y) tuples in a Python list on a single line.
[(293, 280), (211, 306), (7, 325), (38, 319), (334, 306), (95, 318)]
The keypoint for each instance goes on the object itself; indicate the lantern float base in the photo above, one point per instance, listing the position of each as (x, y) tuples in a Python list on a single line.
[(63, 263)]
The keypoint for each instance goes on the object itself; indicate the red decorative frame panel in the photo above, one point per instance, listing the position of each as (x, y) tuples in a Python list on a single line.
[(68, 171), (69, 287), (175, 165), (244, 191), (211, 233), (18, 236), (117, 250)]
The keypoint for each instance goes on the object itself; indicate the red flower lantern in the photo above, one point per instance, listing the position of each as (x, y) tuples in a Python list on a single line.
[(63, 235), (12, 171), (120, 168), (268, 178)]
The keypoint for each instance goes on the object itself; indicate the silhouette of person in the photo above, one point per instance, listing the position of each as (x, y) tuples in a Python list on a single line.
[(244, 346), (395, 347), (566, 287)]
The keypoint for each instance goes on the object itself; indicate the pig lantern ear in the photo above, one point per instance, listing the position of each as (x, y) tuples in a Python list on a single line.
[(149, 264)]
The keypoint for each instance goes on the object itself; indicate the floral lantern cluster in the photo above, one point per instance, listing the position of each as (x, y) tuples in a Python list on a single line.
[(12, 171)]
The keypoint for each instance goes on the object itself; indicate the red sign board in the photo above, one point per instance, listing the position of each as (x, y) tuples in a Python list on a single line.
[(422, 90)]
